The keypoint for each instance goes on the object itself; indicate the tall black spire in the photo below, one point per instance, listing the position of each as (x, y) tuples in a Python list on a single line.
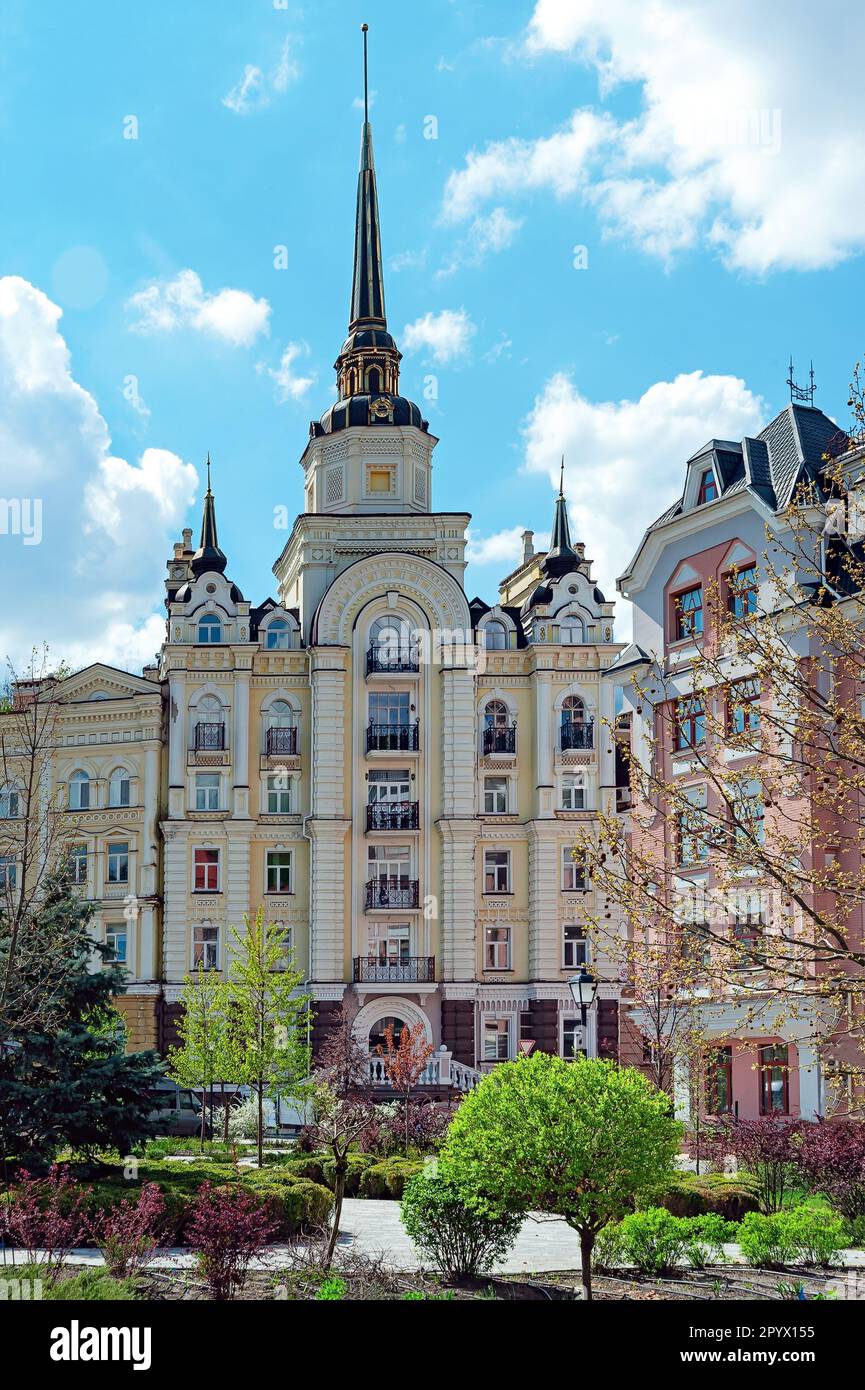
[(369, 361), (367, 287), (561, 557), (208, 556)]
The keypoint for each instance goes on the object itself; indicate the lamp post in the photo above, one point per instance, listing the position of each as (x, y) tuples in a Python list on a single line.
[(584, 988)]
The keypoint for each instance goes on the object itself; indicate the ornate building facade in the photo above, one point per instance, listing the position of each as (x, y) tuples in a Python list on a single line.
[(393, 770)]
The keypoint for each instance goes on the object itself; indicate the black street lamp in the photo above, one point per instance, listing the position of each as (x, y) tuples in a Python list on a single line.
[(583, 989)]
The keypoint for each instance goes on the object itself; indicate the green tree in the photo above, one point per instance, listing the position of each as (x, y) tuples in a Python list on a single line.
[(199, 1061), (269, 1013), (580, 1139), (69, 1081)]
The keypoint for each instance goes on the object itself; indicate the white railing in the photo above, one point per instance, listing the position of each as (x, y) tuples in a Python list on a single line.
[(441, 1070)]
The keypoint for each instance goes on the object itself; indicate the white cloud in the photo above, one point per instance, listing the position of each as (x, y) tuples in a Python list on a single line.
[(444, 336), (232, 315), (255, 88), (612, 448), (733, 148), (289, 385), (502, 548), (560, 162), (92, 587), (407, 260), (486, 235)]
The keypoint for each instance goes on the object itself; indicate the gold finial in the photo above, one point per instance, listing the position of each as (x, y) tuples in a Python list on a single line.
[(364, 28)]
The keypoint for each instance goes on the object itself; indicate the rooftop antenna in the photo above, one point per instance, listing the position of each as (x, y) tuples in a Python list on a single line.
[(802, 393), (364, 29)]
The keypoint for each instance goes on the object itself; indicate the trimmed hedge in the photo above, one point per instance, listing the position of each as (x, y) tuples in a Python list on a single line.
[(389, 1177), (803, 1234), (702, 1194)]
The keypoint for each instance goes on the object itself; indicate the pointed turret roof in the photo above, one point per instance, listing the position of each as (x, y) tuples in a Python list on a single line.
[(208, 556), (561, 556), (367, 286)]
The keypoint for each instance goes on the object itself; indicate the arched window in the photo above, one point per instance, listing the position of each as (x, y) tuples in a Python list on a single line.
[(496, 715), (10, 803), (373, 381), (79, 791), (280, 728), (119, 786), (570, 631), (389, 633), (576, 728), (209, 729), (391, 646), (209, 628), (278, 636), (500, 732), (495, 637)]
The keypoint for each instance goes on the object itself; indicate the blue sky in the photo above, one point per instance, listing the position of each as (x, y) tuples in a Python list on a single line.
[(717, 194)]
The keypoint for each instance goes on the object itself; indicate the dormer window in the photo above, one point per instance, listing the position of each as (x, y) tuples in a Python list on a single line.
[(209, 629), (570, 632), (708, 490), (743, 591), (278, 638), (495, 637)]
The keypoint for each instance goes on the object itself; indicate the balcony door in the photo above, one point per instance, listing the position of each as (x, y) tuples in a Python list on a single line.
[(387, 786), (389, 943), (390, 866)]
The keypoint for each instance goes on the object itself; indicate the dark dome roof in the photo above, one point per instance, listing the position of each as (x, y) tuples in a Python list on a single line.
[(355, 410), (377, 338)]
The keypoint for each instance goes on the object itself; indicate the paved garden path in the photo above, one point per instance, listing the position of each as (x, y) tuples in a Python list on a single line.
[(374, 1228)]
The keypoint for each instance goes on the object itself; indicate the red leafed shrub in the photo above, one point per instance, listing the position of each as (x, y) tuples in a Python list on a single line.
[(386, 1132), (768, 1148), (127, 1233), (227, 1228), (832, 1159), (47, 1217)]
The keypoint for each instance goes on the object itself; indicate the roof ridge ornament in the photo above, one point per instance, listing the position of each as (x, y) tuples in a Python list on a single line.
[(802, 394)]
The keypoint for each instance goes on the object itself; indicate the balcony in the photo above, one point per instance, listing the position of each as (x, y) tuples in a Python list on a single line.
[(392, 738), (412, 970), (381, 894), (578, 735), (390, 660), (501, 738), (210, 737), (392, 815), (281, 741)]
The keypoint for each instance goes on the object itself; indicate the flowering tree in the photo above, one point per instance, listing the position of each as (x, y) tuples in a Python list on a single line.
[(405, 1059)]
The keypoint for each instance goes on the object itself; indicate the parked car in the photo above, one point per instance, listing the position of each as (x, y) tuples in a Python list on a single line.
[(176, 1110)]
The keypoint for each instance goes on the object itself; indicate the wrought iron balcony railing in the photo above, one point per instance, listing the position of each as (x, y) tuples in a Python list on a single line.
[(578, 735), (391, 658), (210, 737), (401, 892), (418, 970), (500, 738), (392, 815), (281, 741), (392, 738)]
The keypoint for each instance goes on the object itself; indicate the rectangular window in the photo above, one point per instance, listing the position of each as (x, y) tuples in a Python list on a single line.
[(573, 792), (278, 794), (575, 950), (77, 863), (205, 947), (115, 940), (689, 613), (386, 785), (574, 876), (207, 791), (690, 722), (389, 707), (774, 1079), (389, 943), (719, 1081), (495, 796), (497, 948), (573, 1043), (497, 871), (692, 828), (206, 871), (743, 591), (379, 480), (278, 865), (496, 1039), (118, 863), (708, 487), (8, 871), (748, 930), (747, 816), (743, 706)]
